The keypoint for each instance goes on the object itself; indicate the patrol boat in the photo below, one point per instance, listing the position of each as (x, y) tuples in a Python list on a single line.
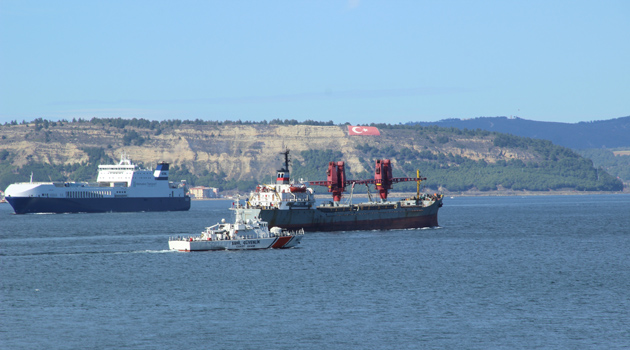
[(241, 235), (289, 204), (122, 187)]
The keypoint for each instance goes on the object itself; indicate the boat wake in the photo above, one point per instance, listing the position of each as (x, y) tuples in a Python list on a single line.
[(428, 228), (89, 253), (147, 251)]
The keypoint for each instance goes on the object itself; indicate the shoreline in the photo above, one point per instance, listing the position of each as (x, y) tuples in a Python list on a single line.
[(506, 193), (462, 194)]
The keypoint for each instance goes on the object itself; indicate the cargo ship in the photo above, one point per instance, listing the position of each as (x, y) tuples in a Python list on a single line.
[(122, 187), (291, 204)]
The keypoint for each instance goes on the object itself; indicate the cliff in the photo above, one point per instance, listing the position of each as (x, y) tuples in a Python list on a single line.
[(235, 154), (240, 151)]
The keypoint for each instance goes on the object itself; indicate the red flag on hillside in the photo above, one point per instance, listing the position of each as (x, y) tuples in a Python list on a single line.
[(363, 130)]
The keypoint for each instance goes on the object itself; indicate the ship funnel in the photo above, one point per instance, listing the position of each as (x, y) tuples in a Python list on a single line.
[(161, 172), (282, 177)]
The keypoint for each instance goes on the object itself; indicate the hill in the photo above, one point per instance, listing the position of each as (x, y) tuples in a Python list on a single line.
[(236, 155), (614, 133), (605, 142)]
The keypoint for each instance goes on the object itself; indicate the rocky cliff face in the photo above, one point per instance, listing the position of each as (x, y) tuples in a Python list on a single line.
[(241, 151)]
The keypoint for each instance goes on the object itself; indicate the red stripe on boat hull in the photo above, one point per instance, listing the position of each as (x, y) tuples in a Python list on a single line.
[(281, 242)]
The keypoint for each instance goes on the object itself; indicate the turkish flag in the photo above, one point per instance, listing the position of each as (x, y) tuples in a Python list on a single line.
[(363, 130)]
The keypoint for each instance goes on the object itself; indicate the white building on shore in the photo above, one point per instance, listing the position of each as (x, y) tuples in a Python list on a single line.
[(201, 192)]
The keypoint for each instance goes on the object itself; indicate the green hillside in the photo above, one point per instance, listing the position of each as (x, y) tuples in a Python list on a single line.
[(238, 155)]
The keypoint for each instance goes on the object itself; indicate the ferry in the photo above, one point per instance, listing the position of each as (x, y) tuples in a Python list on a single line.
[(122, 187)]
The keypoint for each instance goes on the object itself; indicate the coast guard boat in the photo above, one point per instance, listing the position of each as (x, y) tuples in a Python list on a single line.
[(241, 235), (122, 187)]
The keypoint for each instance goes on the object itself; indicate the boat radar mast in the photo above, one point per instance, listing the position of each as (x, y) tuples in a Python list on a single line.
[(283, 174)]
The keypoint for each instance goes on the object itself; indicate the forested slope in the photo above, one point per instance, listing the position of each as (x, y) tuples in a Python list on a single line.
[(237, 155), (613, 133)]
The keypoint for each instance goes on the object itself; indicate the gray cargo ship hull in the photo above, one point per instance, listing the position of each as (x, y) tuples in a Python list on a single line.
[(349, 218)]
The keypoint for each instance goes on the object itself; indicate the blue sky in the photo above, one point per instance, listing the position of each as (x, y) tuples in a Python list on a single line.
[(354, 61)]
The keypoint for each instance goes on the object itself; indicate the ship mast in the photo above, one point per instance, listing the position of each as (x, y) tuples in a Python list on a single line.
[(282, 176), (286, 160), (418, 183)]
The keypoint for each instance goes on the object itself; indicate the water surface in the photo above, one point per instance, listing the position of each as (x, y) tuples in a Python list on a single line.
[(500, 273)]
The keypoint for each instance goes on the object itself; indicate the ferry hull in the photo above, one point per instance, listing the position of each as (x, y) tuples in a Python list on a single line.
[(29, 205), (351, 219)]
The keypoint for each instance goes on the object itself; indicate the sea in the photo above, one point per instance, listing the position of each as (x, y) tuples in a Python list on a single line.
[(532, 272)]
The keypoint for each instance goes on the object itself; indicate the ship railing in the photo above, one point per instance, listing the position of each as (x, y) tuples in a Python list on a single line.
[(287, 233), (194, 238), (299, 232)]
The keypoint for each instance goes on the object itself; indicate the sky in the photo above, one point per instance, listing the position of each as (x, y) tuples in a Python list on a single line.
[(356, 61)]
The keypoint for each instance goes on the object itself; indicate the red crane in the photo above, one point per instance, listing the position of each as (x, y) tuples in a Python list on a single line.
[(383, 179)]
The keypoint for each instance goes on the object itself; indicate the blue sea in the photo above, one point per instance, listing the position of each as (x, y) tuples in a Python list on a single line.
[(550, 272)]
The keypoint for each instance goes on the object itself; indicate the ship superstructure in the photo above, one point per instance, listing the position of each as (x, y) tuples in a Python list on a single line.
[(122, 187), (284, 194)]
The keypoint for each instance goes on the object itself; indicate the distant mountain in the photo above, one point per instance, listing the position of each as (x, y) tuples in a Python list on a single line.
[(613, 133)]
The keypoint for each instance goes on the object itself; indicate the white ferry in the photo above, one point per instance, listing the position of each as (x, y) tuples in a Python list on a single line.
[(122, 187)]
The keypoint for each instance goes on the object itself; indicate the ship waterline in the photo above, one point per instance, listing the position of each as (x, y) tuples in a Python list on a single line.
[(30, 205), (350, 218)]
